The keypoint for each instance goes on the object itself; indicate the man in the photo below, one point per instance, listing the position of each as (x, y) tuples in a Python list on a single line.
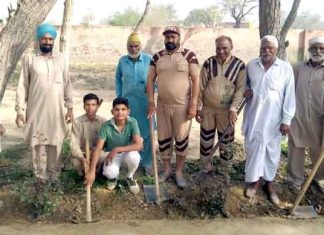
[(85, 127), (178, 86), (222, 85), (267, 116), (131, 76), (44, 85), (307, 129), (122, 135)]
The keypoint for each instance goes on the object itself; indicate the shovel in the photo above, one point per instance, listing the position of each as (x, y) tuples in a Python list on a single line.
[(153, 193), (306, 212), (88, 187)]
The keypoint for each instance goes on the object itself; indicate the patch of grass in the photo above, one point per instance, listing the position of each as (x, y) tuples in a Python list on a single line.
[(10, 170), (14, 153), (121, 187), (146, 179), (71, 182), (284, 148), (40, 199)]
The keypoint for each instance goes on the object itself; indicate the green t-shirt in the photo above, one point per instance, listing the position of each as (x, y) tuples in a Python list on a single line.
[(110, 133)]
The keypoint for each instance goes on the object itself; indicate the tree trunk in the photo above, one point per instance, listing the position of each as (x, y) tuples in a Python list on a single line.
[(269, 17), (18, 33), (269, 22), (237, 23), (65, 38), (141, 21)]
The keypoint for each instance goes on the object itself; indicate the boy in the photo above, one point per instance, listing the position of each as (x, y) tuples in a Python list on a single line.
[(123, 140), (86, 127)]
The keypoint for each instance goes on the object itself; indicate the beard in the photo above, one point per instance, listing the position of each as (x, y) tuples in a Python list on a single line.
[(46, 48), (170, 46), (134, 55), (317, 58)]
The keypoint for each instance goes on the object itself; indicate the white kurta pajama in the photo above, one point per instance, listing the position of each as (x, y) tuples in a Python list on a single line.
[(44, 89), (272, 104)]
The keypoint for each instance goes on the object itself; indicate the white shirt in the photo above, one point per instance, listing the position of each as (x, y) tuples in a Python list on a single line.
[(273, 101)]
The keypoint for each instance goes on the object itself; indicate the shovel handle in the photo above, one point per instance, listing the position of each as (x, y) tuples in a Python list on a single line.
[(88, 188), (156, 178), (229, 126), (307, 183)]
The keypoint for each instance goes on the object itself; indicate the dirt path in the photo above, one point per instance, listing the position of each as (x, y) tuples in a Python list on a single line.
[(260, 226)]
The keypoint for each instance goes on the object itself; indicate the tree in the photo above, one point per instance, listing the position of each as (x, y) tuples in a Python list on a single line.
[(306, 20), (88, 19), (129, 17), (161, 15), (269, 21), (18, 33), (238, 9), (142, 19), (66, 30), (209, 17), (157, 15)]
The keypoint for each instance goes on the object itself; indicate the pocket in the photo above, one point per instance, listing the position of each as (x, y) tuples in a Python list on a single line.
[(182, 67)]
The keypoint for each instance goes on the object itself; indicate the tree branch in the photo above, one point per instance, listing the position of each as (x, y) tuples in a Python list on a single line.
[(290, 18), (140, 22)]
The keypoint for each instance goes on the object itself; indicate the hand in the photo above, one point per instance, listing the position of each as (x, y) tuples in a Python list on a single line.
[(89, 178), (20, 120), (2, 130), (111, 156), (192, 110), (69, 115), (232, 116), (284, 129), (199, 116), (248, 93), (151, 109)]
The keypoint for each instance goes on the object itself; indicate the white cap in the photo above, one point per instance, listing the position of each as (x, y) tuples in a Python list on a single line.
[(315, 40)]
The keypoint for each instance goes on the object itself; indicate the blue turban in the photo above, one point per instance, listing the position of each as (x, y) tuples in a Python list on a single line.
[(45, 28)]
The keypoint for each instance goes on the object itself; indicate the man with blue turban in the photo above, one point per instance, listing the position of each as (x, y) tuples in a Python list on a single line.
[(44, 89), (131, 77)]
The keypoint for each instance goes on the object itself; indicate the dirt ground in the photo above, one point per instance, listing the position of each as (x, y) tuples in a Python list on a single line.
[(206, 200)]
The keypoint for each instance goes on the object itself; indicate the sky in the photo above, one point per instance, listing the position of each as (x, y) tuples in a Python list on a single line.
[(102, 9)]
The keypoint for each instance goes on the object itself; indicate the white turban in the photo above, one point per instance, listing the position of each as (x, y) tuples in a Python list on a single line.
[(315, 40), (270, 38)]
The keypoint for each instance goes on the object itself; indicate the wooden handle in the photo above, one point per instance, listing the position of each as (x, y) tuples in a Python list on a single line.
[(88, 200), (156, 176), (307, 183), (229, 126)]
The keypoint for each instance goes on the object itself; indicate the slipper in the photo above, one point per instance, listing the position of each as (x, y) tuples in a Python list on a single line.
[(163, 177), (272, 196)]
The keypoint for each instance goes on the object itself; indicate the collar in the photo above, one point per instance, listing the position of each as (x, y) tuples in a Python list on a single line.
[(258, 61), (86, 119), (180, 50), (113, 123), (227, 61), (308, 63), (39, 53)]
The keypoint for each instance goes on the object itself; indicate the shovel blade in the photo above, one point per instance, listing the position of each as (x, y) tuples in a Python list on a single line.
[(150, 193), (304, 212)]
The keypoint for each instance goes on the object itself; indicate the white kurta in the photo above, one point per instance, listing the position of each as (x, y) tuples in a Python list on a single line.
[(272, 104), (44, 89)]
